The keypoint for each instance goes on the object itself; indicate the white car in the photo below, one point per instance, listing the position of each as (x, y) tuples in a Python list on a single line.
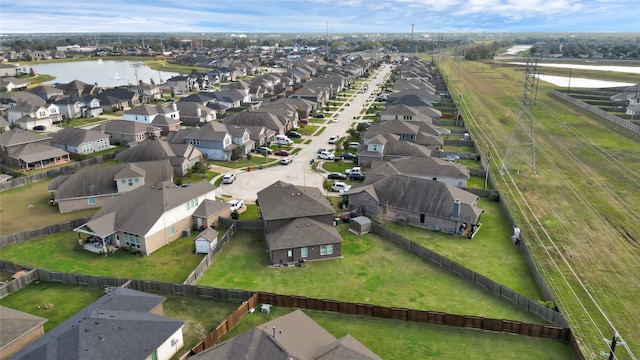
[(325, 155), (356, 169), (335, 120), (228, 178), (236, 204), (286, 161), (334, 139), (340, 187)]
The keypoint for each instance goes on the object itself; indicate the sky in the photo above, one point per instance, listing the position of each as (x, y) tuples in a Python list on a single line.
[(339, 16)]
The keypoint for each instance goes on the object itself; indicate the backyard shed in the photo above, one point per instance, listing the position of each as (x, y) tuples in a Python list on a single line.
[(360, 225), (206, 241)]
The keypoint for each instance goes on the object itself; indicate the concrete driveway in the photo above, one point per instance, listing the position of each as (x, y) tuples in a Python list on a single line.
[(299, 172)]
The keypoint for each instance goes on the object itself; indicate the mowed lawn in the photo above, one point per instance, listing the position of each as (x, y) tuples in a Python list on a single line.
[(397, 339), (17, 216), (490, 253), (372, 271), (60, 252)]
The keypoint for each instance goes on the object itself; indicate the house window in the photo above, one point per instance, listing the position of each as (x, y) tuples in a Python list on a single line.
[(92, 201), (304, 252), (123, 181), (130, 182), (290, 253), (137, 180), (422, 218), (172, 230), (192, 203), (326, 249)]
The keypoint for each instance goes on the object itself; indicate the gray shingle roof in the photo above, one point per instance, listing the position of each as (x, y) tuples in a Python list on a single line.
[(75, 136), (281, 200), (116, 326), (16, 324), (15, 137), (210, 207), (302, 232), (127, 127)]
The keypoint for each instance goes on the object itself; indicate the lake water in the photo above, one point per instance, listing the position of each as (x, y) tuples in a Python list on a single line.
[(106, 73)]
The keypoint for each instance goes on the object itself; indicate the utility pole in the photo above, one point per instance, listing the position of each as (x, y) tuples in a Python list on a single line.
[(486, 174), (412, 34)]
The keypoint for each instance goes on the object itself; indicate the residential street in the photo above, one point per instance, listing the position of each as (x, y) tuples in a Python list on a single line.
[(247, 184)]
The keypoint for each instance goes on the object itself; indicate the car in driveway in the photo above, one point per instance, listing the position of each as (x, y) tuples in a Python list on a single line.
[(348, 156), (319, 116), (356, 176), (40, 128), (228, 178), (264, 149), (325, 155), (354, 145), (334, 139), (340, 187), (236, 204), (336, 176), (293, 134), (282, 153)]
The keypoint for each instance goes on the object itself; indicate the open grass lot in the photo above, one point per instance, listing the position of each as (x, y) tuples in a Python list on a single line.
[(15, 215), (395, 339), (60, 252), (32, 299), (585, 198), (489, 253), (308, 129), (372, 271)]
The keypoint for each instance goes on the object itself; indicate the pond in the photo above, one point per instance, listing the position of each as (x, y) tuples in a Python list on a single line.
[(106, 73)]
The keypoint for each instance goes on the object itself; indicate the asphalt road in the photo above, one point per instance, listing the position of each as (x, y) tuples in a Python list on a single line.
[(299, 172)]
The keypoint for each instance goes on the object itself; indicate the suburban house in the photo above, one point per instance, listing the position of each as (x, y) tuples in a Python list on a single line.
[(420, 167), (47, 92), (5, 125), (403, 112), (28, 115), (93, 187), (9, 70), (195, 114), (126, 98), (148, 92), (628, 98), (122, 324), (23, 149), (73, 107), (265, 119), (423, 105), (419, 132), (231, 97), (182, 157), (292, 336), (179, 83), (10, 83), (260, 135), (149, 217), (18, 330), (122, 132), (165, 117), (79, 88), (216, 140), (298, 224), (78, 141), (286, 113), (388, 146), (419, 202)]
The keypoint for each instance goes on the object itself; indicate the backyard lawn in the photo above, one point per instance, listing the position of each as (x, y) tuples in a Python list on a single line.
[(17, 216), (372, 271), (60, 252), (397, 339)]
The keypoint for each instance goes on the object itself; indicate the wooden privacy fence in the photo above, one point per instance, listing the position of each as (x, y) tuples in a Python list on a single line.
[(242, 224), (210, 257), (473, 277), (18, 283), (40, 232)]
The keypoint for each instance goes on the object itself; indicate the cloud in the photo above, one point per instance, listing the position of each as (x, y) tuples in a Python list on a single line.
[(379, 16)]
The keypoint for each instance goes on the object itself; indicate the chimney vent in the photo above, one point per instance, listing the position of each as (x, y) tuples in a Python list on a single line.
[(274, 331)]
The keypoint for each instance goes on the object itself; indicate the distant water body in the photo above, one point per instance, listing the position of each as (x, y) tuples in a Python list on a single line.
[(106, 73)]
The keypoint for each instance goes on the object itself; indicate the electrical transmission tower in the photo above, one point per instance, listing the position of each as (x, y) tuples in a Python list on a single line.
[(521, 151)]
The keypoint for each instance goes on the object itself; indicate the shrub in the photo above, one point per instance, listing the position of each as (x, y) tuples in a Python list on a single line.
[(235, 215)]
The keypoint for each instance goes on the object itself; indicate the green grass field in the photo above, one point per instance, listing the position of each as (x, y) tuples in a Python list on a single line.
[(372, 271), (587, 170), (396, 339)]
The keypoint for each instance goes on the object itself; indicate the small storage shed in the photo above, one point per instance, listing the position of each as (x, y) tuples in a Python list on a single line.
[(360, 225), (206, 241)]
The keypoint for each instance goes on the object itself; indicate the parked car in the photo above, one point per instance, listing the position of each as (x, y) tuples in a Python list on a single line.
[(354, 145), (264, 149), (348, 156), (355, 169), (453, 157), (325, 155), (236, 204), (228, 178), (39, 128), (335, 120), (321, 150), (293, 134), (356, 176), (336, 176), (286, 161), (340, 187), (282, 153), (319, 116), (334, 139)]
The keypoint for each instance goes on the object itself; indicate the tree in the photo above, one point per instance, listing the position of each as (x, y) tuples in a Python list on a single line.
[(32, 72), (385, 214)]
